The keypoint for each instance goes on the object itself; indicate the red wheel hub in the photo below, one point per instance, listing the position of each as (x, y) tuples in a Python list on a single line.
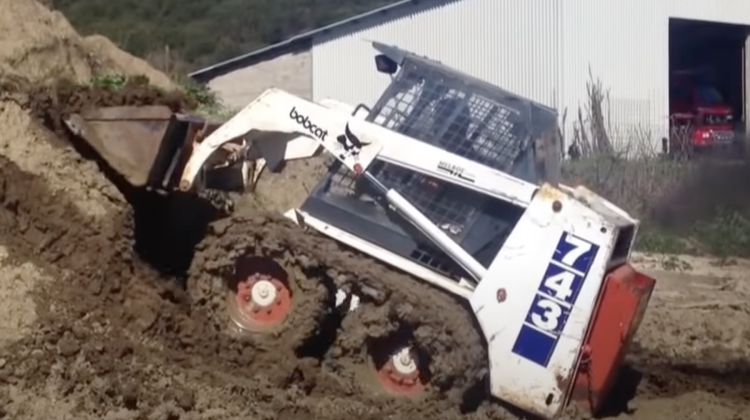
[(262, 301), (400, 374)]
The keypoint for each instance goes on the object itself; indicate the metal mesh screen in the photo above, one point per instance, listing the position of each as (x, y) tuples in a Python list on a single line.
[(470, 118), (424, 104)]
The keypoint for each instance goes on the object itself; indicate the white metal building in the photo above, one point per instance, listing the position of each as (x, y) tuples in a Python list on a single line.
[(546, 50)]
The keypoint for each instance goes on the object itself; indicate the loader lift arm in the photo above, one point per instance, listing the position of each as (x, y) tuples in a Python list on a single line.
[(280, 114), (269, 115)]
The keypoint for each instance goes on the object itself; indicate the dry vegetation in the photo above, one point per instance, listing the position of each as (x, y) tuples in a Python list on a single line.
[(699, 206)]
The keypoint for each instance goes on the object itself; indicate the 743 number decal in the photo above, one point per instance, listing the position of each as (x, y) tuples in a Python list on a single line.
[(555, 297)]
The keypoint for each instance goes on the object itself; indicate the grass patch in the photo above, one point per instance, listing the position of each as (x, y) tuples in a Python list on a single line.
[(209, 103), (652, 239), (726, 235)]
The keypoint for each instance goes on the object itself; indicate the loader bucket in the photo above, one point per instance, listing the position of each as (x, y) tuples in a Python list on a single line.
[(147, 145)]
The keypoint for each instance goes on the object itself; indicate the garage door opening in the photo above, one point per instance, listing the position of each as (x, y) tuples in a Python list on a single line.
[(707, 86)]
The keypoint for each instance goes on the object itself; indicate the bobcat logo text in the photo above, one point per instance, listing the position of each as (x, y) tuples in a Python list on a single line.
[(303, 120)]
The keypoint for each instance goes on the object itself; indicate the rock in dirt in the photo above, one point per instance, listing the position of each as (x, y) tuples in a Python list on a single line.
[(68, 345), (185, 399)]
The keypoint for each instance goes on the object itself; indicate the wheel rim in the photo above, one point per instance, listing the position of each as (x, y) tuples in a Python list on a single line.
[(400, 374), (260, 302)]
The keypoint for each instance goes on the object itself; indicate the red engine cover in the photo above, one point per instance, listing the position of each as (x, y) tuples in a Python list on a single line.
[(625, 296)]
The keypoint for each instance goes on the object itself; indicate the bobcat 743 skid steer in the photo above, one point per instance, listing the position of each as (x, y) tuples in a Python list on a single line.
[(455, 182)]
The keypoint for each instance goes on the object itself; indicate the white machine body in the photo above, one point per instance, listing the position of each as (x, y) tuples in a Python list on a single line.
[(536, 300)]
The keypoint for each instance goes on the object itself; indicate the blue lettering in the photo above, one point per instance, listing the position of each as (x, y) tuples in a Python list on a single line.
[(555, 298)]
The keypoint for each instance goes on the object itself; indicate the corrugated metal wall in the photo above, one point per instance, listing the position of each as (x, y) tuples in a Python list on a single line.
[(547, 50), (507, 42), (624, 45)]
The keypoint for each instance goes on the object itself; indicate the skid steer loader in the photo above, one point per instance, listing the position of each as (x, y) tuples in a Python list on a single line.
[(455, 182)]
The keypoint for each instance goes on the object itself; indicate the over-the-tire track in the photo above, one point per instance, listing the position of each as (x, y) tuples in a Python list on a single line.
[(437, 320)]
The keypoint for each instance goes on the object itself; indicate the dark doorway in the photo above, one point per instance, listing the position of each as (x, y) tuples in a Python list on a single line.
[(714, 51), (707, 80)]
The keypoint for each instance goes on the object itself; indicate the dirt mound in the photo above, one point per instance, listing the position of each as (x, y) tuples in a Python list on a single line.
[(52, 104), (99, 286), (40, 45), (111, 57), (35, 146), (93, 267), (287, 189), (35, 139)]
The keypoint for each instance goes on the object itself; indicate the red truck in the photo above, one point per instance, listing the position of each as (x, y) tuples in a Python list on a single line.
[(700, 118)]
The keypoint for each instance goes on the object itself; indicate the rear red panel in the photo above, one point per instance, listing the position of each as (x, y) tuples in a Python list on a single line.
[(625, 296)]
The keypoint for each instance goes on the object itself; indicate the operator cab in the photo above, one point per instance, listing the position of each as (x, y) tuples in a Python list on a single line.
[(433, 103)]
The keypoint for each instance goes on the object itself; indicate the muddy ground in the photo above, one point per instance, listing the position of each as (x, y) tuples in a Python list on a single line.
[(89, 330)]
